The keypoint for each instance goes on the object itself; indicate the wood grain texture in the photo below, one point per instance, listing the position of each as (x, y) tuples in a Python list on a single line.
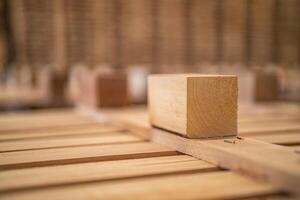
[(216, 185), (273, 163), (15, 122), (100, 171), (68, 141), (196, 106), (268, 127), (58, 131), (45, 157), (281, 139)]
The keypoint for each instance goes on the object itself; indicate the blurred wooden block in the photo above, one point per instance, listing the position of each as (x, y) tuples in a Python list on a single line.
[(193, 105), (266, 85), (104, 89), (53, 86)]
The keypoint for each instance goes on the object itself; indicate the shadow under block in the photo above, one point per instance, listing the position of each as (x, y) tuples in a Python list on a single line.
[(104, 90), (194, 105)]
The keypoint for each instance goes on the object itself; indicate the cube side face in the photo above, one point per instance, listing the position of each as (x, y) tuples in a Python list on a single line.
[(167, 102), (212, 107)]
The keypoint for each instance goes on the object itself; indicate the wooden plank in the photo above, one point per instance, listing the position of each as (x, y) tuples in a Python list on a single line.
[(41, 122), (36, 114), (214, 185), (45, 157), (59, 131), (100, 171), (268, 127), (32, 126), (281, 139), (175, 102), (273, 163), (249, 118), (295, 148), (68, 141)]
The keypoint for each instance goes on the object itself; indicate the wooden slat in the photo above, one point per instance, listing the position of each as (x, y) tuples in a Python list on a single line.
[(29, 124), (44, 157), (271, 127), (68, 141), (39, 115), (59, 131), (100, 171), (295, 148), (35, 113), (281, 139), (217, 185), (273, 163), (252, 118)]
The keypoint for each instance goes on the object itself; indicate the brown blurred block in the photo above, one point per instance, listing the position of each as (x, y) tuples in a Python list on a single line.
[(103, 89), (53, 86), (266, 85)]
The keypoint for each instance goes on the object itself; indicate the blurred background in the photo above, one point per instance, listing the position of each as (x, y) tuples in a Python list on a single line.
[(43, 43)]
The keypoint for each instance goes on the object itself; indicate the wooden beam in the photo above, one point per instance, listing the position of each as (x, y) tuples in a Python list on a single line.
[(193, 105), (275, 164)]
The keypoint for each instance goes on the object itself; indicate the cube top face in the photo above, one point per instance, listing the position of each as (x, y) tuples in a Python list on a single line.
[(193, 105)]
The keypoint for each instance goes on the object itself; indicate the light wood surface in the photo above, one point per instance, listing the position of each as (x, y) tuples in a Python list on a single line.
[(68, 141), (273, 163), (44, 157), (268, 127), (187, 186), (100, 171), (13, 122), (284, 138), (196, 106), (86, 161), (94, 128)]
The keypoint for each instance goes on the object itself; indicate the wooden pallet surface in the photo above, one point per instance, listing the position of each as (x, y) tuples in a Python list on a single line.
[(111, 161), (213, 185), (101, 171)]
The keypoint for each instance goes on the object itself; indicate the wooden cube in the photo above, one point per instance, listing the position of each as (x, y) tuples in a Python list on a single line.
[(193, 105), (105, 89)]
